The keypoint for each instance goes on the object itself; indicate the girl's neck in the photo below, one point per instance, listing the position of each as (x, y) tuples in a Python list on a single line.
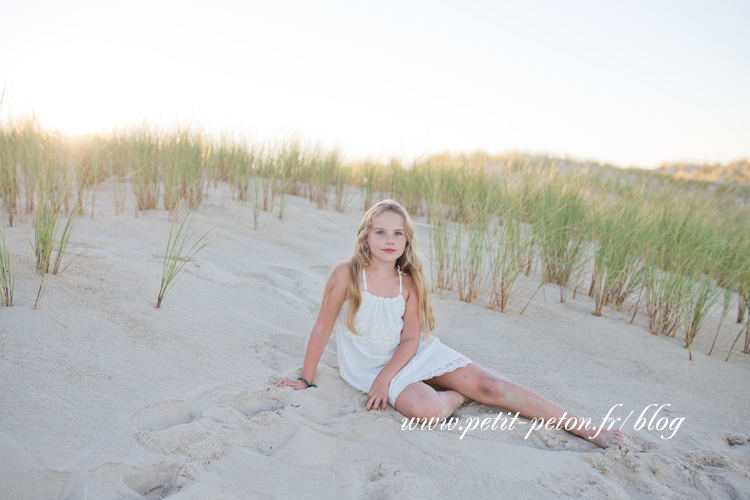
[(384, 270)]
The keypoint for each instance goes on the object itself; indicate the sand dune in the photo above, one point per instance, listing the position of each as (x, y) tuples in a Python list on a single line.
[(104, 396)]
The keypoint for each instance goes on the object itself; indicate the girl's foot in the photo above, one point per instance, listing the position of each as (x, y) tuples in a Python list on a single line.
[(607, 438)]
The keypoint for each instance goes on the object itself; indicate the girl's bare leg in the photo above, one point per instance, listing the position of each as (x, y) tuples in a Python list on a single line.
[(419, 400), (479, 385)]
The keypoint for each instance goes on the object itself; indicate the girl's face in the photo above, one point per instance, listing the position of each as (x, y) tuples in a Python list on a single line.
[(387, 238)]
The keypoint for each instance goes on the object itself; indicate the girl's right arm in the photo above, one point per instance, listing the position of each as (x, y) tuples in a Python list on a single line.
[(335, 294)]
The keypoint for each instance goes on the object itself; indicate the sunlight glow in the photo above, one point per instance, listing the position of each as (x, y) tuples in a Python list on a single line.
[(640, 83)]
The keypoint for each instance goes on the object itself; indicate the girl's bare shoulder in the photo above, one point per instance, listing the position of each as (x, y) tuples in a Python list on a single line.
[(342, 271), (409, 287), (340, 277)]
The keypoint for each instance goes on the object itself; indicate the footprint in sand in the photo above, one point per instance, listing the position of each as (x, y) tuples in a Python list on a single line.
[(156, 481), (163, 415), (253, 406), (590, 485), (294, 275), (208, 427), (383, 480), (552, 442), (737, 438), (258, 411), (297, 279), (707, 458), (383, 483), (119, 480), (202, 434)]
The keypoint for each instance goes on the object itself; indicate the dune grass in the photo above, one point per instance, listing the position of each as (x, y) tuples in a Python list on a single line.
[(470, 252), (9, 187), (672, 249), (143, 147), (616, 274), (743, 279), (45, 231), (183, 172), (7, 271), (74, 216), (511, 243), (341, 182), (367, 178), (559, 216), (183, 243), (29, 149)]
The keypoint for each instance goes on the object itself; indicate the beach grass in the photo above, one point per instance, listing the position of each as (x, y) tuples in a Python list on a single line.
[(507, 253), (74, 216), (183, 243), (559, 215), (45, 231), (183, 173), (7, 271), (143, 146), (618, 229), (9, 179), (648, 242)]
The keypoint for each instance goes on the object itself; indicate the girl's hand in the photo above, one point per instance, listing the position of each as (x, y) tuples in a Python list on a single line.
[(378, 394), (294, 384)]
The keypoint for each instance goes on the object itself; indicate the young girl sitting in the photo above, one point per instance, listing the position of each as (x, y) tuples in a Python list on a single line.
[(384, 347)]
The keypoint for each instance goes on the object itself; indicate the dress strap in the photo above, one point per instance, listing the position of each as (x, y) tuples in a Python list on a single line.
[(399, 279), (364, 278)]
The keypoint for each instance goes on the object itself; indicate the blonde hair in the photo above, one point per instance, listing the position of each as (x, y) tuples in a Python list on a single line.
[(410, 262)]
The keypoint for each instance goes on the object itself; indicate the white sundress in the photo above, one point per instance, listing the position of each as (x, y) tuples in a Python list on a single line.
[(379, 322)]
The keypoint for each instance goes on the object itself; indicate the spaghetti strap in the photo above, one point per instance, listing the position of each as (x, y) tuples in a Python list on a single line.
[(400, 283)]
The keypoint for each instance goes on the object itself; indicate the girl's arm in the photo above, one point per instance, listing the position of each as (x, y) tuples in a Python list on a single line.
[(334, 297), (378, 395)]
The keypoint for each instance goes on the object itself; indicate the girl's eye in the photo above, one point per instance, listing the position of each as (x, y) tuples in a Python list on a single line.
[(399, 233), (379, 232)]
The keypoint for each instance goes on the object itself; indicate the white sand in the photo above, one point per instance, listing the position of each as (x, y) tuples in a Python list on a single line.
[(104, 396)]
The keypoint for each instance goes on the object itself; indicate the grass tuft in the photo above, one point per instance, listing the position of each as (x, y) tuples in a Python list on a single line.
[(7, 273), (182, 245)]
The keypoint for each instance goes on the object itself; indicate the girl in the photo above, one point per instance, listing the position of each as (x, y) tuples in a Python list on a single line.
[(384, 347)]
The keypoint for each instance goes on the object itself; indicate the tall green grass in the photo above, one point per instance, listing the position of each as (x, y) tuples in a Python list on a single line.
[(368, 174), (559, 216), (74, 216), (7, 272), (290, 170), (617, 269), (45, 231), (508, 252), (184, 242), (650, 243), (471, 246), (322, 169), (9, 179), (143, 146), (183, 172), (341, 178), (31, 140)]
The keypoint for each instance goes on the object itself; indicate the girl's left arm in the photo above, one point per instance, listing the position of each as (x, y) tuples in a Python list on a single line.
[(378, 395)]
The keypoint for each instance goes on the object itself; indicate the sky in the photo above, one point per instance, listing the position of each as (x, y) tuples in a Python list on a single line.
[(633, 83)]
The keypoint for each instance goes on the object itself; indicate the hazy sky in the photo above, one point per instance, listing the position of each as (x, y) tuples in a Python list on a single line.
[(630, 82)]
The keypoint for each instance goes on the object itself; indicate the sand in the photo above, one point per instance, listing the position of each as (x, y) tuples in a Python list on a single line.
[(105, 396)]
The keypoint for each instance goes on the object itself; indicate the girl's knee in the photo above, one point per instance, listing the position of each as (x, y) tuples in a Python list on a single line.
[(494, 387), (422, 408)]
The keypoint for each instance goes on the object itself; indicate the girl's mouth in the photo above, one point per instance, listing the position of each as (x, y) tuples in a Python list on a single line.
[(389, 250)]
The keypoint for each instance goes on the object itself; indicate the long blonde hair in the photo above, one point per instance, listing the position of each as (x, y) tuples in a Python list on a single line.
[(410, 262)]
